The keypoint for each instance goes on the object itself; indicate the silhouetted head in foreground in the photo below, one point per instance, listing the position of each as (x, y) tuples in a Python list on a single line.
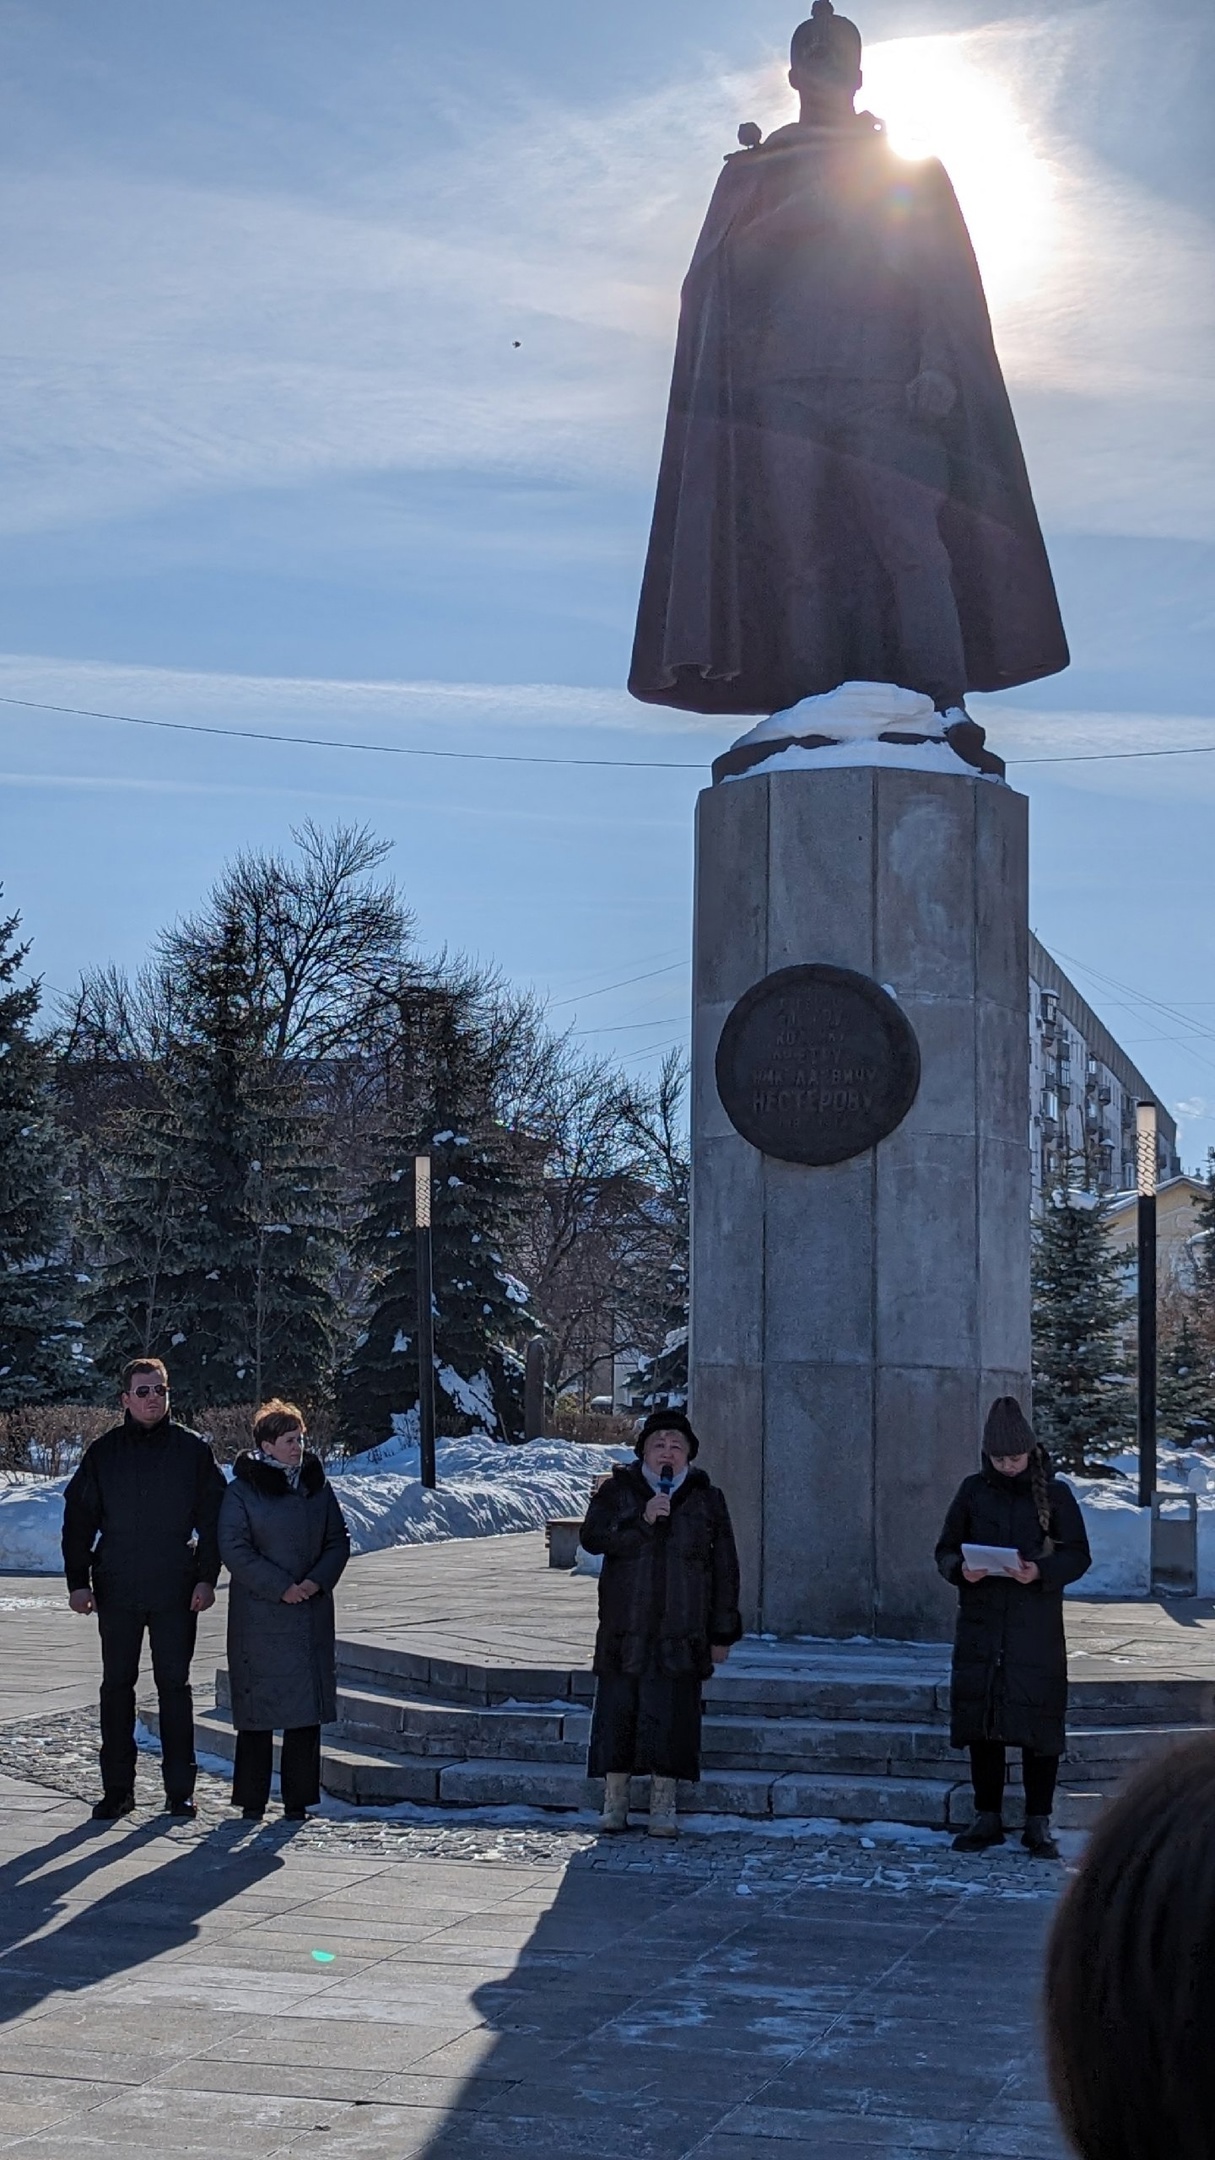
[(1130, 1979)]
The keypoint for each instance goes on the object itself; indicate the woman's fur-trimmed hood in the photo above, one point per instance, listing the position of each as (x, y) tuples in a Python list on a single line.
[(272, 1482)]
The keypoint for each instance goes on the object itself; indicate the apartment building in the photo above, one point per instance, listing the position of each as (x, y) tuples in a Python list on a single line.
[(1083, 1089)]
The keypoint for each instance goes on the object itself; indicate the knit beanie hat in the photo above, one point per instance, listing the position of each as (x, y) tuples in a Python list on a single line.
[(666, 1421), (1008, 1430)]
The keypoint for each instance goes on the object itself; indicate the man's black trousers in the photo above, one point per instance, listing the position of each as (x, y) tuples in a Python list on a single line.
[(299, 1768), (171, 1631)]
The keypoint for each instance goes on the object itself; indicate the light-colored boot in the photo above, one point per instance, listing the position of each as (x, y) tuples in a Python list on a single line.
[(615, 1816), (662, 1808)]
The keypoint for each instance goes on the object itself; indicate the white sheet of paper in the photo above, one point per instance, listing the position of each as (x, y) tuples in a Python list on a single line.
[(997, 1559)]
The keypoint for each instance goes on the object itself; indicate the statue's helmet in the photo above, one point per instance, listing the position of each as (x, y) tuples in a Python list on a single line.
[(827, 43)]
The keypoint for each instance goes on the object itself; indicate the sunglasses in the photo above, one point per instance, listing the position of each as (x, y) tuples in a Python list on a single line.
[(157, 1388)]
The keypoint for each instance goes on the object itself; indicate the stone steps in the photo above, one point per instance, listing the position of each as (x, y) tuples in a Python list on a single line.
[(421, 1727), (391, 1746), (883, 1683), (379, 1776), (367, 1776)]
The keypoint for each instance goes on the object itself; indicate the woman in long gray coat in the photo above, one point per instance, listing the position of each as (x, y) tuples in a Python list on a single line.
[(284, 1543)]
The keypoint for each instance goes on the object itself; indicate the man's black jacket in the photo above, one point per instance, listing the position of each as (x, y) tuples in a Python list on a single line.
[(132, 1512)]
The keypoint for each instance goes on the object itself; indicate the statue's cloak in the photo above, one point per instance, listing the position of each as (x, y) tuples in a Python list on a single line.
[(827, 263)]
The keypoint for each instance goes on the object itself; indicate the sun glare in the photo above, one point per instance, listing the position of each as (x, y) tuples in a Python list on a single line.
[(938, 99)]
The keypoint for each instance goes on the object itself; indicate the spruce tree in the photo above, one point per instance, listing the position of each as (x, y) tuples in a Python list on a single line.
[(220, 1229), (482, 1316), (1203, 1250), (1083, 1408), (1186, 1383), (40, 1357)]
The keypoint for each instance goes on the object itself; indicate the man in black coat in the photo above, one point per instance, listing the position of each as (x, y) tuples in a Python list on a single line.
[(140, 1550), (842, 495)]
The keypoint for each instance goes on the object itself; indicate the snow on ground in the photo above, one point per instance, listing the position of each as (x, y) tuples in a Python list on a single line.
[(31, 1519), (1119, 1536), (1120, 1531), (483, 1490)]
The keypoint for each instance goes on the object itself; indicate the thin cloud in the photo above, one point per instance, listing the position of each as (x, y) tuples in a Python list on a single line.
[(302, 705), (164, 338), (504, 716)]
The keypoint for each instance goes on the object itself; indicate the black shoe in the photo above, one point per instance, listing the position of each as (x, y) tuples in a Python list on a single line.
[(295, 1814), (186, 1809), (1037, 1839), (986, 1829), (252, 1814), (113, 1804)]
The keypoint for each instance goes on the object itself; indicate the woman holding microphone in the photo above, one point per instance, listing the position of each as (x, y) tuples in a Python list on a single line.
[(668, 1613)]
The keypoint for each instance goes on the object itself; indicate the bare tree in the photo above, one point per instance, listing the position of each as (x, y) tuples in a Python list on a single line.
[(324, 938), (609, 1212)]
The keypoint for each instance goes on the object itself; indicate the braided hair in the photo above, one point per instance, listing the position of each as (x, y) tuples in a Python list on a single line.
[(1039, 1477), (1009, 1432)]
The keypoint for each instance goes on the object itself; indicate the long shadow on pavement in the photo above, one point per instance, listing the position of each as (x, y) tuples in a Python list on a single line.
[(144, 1914), (654, 2015)]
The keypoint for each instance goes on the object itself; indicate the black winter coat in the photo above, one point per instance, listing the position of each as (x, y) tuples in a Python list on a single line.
[(131, 1515), (281, 1658), (669, 1590), (1009, 1679)]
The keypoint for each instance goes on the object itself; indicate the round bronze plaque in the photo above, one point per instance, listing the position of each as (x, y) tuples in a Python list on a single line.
[(816, 1064)]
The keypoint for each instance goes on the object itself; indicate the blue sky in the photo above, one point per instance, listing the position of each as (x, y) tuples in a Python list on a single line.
[(271, 457)]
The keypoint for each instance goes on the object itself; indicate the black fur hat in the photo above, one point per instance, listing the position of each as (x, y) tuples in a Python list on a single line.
[(666, 1421)]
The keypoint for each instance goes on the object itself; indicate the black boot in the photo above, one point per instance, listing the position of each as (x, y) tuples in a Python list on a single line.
[(1037, 1839), (986, 1829), (113, 1804)]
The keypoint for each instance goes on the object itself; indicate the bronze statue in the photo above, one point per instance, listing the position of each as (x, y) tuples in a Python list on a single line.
[(842, 496)]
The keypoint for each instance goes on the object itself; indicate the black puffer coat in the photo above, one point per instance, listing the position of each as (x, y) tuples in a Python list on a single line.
[(281, 1659), (669, 1590), (1009, 1677)]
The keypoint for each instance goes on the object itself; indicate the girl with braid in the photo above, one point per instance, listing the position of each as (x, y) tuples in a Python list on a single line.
[(1009, 1680)]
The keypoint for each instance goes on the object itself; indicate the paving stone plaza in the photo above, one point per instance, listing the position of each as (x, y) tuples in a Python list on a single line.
[(377, 1988)]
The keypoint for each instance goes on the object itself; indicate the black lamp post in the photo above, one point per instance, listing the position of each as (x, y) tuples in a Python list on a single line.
[(1145, 1179), (426, 1320)]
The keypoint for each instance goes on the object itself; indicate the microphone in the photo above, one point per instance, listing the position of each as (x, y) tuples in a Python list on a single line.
[(666, 1478)]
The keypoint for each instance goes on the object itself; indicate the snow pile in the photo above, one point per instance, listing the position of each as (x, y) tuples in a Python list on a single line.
[(1120, 1537), (31, 1520), (484, 1489), (1120, 1531)]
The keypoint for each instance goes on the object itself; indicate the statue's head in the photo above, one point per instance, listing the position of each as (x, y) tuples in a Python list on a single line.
[(825, 56)]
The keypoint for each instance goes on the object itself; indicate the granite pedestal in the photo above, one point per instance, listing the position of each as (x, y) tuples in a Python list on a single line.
[(851, 1324)]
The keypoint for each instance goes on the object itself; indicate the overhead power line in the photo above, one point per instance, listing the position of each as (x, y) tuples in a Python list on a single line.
[(332, 742), (520, 757)]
